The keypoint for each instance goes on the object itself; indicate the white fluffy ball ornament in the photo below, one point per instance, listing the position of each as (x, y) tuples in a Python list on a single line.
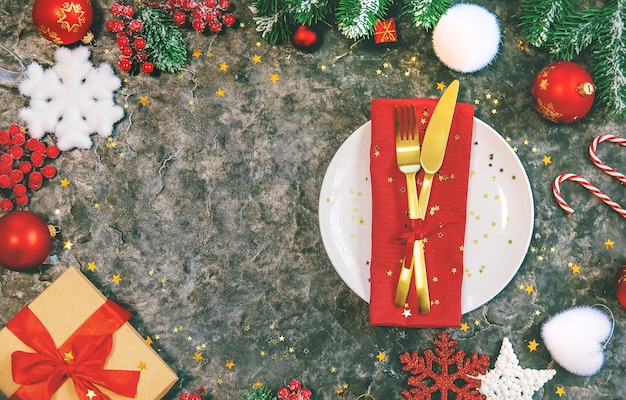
[(466, 38)]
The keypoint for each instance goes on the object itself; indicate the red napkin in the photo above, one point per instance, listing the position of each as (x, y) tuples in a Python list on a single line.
[(444, 222)]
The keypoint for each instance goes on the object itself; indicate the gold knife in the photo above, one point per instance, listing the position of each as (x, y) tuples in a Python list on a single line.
[(431, 158)]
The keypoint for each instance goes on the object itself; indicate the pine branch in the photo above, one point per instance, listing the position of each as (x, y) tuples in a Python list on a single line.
[(271, 19), (165, 45), (426, 13), (357, 18), (573, 35), (540, 16), (308, 12), (609, 54)]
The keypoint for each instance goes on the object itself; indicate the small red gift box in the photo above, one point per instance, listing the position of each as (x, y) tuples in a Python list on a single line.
[(385, 31), (73, 343)]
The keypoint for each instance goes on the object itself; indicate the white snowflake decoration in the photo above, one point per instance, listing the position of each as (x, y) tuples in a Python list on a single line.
[(72, 99), (507, 380)]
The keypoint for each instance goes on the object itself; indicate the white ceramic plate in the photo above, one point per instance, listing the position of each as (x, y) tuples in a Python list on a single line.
[(500, 215)]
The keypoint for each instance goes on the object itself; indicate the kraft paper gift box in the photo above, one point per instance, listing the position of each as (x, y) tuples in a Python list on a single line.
[(72, 329)]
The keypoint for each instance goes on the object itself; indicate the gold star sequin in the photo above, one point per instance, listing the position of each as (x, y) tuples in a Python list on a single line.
[(274, 78), (381, 356), (65, 182), (142, 365), (68, 245), (92, 266), (229, 364), (256, 59), (609, 244), (532, 345), (116, 279), (546, 160), (220, 92), (196, 53), (143, 100), (223, 66)]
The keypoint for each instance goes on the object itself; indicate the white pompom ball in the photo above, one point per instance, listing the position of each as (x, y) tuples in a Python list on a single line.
[(466, 38)]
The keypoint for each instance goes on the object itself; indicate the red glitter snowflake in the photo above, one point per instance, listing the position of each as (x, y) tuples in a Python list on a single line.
[(446, 370)]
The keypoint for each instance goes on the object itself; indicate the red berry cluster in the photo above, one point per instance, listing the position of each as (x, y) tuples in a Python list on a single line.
[(189, 396), (22, 165), (294, 391), (201, 14), (130, 44)]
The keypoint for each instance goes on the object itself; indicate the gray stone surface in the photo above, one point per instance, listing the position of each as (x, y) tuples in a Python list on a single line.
[(218, 196)]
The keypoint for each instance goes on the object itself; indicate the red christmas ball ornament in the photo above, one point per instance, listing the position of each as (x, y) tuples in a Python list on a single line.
[(25, 240), (620, 285), (63, 21), (305, 39), (563, 92)]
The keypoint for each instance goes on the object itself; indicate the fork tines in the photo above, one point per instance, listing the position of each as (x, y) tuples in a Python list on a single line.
[(406, 121)]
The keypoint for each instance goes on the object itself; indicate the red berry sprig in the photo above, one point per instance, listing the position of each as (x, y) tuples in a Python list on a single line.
[(130, 44), (22, 166), (185, 395), (294, 391), (201, 14)]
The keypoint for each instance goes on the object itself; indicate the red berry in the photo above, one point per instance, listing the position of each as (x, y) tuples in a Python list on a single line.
[(52, 151), (198, 25), (6, 205), (114, 26), (36, 158), (135, 25), (141, 56), (49, 171), (228, 19), (215, 27), (21, 200), (184, 396), (147, 67), (210, 3), (128, 11), (25, 167), (19, 190), (17, 152), (294, 396), (5, 168), (4, 138), (16, 176), (189, 4), (35, 177), (5, 182), (197, 13), (139, 43), (32, 143), (117, 9), (283, 393), (124, 64), (294, 385), (19, 139), (6, 159), (179, 18), (126, 51), (195, 396), (305, 393), (224, 4), (14, 129), (122, 40)]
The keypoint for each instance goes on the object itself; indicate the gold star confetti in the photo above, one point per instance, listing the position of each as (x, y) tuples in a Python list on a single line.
[(381, 356), (529, 289), (323, 67), (256, 58), (197, 356), (116, 279), (196, 53), (148, 340), (142, 365), (333, 370), (143, 100), (190, 102), (91, 394), (111, 142), (532, 345), (68, 245), (92, 266), (220, 92), (223, 66), (546, 160), (609, 244), (258, 385), (68, 357), (575, 269), (441, 86), (151, 272), (65, 182), (464, 327), (379, 72), (274, 78), (560, 390), (229, 364)]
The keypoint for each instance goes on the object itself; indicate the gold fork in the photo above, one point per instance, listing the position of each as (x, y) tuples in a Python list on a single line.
[(408, 159)]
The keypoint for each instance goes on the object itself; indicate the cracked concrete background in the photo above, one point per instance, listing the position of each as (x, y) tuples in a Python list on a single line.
[(208, 208)]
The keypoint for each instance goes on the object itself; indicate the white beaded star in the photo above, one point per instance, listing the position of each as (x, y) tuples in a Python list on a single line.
[(510, 381)]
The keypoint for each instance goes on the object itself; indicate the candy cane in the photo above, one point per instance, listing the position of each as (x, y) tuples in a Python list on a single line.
[(556, 189), (593, 152)]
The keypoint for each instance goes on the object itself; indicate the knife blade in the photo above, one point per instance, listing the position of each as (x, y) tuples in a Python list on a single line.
[(436, 141)]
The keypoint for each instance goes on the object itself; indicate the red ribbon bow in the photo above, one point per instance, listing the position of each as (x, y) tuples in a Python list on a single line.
[(81, 358), (418, 230)]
